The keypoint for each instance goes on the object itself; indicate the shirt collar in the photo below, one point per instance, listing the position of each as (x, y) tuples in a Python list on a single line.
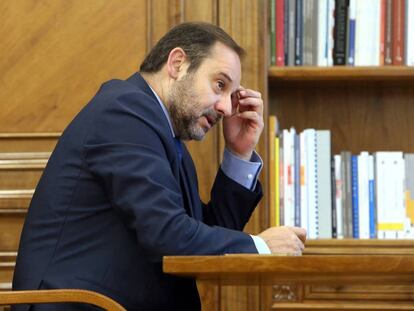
[(164, 109)]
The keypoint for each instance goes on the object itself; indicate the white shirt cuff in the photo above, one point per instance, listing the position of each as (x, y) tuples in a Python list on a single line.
[(261, 245)]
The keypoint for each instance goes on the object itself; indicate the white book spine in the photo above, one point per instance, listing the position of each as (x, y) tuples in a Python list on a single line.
[(303, 183), (331, 25), (324, 183), (313, 213), (288, 166), (389, 169), (322, 32), (409, 31), (338, 197), (363, 195), (367, 34), (286, 175)]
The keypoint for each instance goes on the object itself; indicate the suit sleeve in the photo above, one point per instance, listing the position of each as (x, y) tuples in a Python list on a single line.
[(126, 152), (231, 204)]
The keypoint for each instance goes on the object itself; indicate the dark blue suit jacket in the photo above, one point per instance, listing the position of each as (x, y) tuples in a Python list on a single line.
[(114, 199)]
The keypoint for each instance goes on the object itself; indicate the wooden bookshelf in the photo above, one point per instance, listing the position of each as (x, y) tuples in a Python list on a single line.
[(366, 109), (305, 73)]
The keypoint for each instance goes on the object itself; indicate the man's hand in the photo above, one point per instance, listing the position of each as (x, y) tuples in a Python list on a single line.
[(285, 240), (243, 128)]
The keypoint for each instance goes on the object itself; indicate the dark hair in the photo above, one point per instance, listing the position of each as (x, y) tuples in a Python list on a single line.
[(195, 38)]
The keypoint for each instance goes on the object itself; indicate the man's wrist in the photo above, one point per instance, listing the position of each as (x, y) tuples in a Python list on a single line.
[(244, 157)]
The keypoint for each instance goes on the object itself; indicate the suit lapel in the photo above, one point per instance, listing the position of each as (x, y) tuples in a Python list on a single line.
[(189, 189)]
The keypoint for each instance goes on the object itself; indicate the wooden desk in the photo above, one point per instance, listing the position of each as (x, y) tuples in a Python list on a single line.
[(338, 270)]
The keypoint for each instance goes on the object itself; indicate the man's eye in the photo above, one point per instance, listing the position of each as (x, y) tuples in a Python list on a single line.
[(220, 85)]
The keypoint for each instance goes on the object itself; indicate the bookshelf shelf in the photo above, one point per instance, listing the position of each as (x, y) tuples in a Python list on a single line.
[(397, 73), (359, 246)]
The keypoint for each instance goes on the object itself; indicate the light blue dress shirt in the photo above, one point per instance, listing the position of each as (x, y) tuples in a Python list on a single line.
[(243, 172)]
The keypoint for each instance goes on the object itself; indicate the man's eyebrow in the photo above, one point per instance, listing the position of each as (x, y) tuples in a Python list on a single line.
[(226, 76)]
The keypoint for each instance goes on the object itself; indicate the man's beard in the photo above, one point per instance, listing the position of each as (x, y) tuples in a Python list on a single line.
[(185, 111)]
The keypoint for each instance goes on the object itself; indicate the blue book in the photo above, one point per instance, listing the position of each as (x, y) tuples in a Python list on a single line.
[(355, 202), (351, 33), (371, 199)]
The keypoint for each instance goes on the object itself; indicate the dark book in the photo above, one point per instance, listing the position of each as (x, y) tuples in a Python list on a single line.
[(340, 32), (299, 33)]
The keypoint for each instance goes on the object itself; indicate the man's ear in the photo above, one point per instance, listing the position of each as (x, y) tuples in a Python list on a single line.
[(176, 62)]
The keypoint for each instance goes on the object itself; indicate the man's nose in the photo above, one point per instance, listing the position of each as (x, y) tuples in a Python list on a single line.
[(224, 106)]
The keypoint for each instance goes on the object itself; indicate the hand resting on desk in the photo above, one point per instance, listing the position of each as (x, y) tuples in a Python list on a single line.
[(285, 240)]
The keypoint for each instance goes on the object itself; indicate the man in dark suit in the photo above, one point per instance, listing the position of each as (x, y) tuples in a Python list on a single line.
[(120, 189)]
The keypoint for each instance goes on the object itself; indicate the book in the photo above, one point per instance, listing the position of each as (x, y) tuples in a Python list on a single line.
[(299, 33), (409, 32), (363, 195), (323, 172), (312, 183), (338, 178), (347, 193), (389, 176), (355, 197), (351, 33), (272, 170), (280, 32), (398, 31), (340, 32), (409, 186)]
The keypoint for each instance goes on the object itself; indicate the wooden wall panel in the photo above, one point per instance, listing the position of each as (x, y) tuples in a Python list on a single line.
[(55, 55), (27, 142)]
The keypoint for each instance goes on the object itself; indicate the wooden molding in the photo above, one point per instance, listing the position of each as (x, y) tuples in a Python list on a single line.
[(23, 160), (40, 135), (304, 73)]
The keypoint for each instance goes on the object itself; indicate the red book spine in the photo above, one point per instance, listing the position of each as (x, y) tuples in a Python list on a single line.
[(398, 21), (280, 33)]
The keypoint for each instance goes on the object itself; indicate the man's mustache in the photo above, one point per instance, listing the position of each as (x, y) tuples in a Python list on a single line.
[(212, 116)]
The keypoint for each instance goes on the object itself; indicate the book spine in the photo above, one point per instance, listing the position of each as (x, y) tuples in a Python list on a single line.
[(299, 33), (383, 6), (297, 180), (291, 48), (339, 193), (312, 165), (280, 32), (363, 195), (331, 24), (372, 210), (323, 159), (272, 177), (388, 33), (355, 206), (398, 12), (272, 32), (321, 20), (286, 30), (334, 212), (309, 32), (351, 35), (340, 35), (409, 33), (304, 223), (277, 180)]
